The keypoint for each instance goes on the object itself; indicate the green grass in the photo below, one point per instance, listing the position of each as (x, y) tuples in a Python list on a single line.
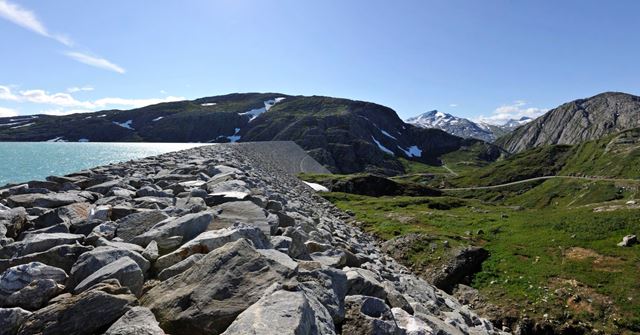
[(528, 249)]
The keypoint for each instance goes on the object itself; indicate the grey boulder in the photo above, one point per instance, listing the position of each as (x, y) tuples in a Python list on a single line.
[(124, 269), (137, 321), (184, 229), (16, 278), (135, 224), (92, 261), (12, 318), (206, 298)]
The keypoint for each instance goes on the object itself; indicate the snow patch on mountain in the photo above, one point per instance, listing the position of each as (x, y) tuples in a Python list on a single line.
[(382, 147), (254, 113), (412, 151), (127, 124), (235, 137)]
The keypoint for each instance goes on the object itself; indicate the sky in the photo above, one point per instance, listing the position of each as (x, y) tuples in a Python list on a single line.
[(485, 60)]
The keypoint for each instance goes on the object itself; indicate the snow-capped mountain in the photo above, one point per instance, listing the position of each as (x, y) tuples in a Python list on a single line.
[(464, 127), (453, 125)]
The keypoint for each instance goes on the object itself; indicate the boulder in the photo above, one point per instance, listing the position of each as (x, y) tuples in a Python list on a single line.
[(245, 212), (135, 224), (184, 228), (70, 214), (368, 316), (213, 239), (13, 220), (628, 241), (102, 213), (92, 261), (106, 230), (38, 243), (410, 324), (104, 188), (150, 191), (62, 256), (124, 269), (33, 296), (49, 200), (81, 314), (460, 269), (329, 286), (151, 251), (58, 228), (12, 318), (179, 267), (206, 298), (280, 312), (16, 278), (137, 321), (364, 282)]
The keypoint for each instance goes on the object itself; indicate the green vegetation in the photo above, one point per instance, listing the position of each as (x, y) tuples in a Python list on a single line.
[(535, 253), (553, 242)]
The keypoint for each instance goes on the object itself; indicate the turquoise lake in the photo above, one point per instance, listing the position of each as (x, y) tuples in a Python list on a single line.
[(24, 161)]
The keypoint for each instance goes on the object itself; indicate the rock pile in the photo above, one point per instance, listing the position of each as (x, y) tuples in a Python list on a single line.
[(210, 240)]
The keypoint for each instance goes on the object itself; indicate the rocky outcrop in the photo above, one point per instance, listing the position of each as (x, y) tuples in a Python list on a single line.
[(576, 122), (270, 256)]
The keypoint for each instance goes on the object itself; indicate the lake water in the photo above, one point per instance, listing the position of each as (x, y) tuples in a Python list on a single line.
[(24, 161)]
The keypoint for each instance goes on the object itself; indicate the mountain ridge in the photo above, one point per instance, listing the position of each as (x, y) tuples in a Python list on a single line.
[(345, 135), (577, 121)]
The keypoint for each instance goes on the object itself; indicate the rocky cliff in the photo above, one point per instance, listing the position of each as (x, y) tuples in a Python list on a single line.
[(212, 240), (577, 121), (344, 135)]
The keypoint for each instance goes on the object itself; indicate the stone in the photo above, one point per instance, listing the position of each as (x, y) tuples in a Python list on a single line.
[(106, 230), (69, 214), (137, 321), (135, 224), (102, 213), (628, 241), (244, 212), (368, 315), (14, 221), (12, 318), (364, 282), (49, 200), (460, 269), (329, 286), (179, 267), (410, 324), (206, 298), (124, 269), (185, 228), (62, 256), (213, 239), (58, 228), (334, 258), (151, 251), (38, 243), (150, 191), (35, 295), (105, 187), (16, 278), (92, 261), (280, 312), (297, 248), (81, 314)]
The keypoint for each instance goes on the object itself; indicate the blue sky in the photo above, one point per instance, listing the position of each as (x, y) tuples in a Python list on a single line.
[(490, 59)]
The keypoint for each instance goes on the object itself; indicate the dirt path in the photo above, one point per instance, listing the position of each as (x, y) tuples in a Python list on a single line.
[(537, 178)]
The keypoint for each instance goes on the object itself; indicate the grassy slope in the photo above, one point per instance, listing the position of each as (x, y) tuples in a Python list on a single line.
[(528, 250), (533, 230)]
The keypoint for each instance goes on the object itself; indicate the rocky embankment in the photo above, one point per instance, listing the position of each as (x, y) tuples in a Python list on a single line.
[(211, 240)]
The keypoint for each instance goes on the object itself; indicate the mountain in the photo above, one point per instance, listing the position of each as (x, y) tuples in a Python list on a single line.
[(577, 121), (453, 125), (464, 127), (344, 135)]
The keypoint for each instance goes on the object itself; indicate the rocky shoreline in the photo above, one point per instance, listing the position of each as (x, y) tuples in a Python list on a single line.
[(211, 240)]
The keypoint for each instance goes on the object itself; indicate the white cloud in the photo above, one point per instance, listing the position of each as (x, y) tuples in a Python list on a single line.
[(7, 112), (95, 61), (515, 111), (6, 94), (28, 20), (453, 105), (67, 100), (79, 89)]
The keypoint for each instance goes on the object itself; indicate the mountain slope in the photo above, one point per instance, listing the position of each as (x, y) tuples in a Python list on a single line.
[(344, 135), (464, 127), (577, 121)]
